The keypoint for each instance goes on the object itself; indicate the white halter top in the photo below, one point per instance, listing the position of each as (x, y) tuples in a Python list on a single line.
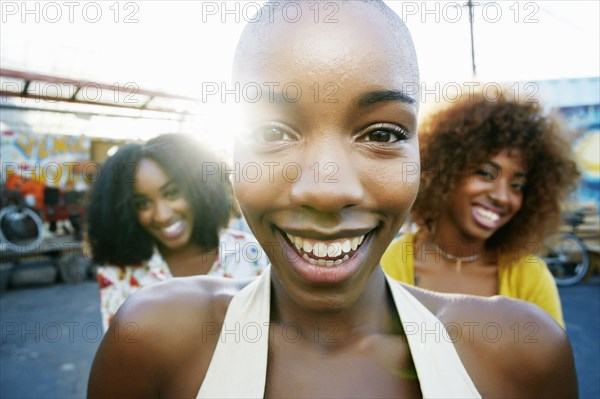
[(440, 371)]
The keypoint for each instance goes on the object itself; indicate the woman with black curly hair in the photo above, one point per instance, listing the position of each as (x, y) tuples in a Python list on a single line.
[(159, 210), (493, 174)]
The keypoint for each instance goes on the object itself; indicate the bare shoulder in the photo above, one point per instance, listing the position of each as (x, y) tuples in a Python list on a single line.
[(180, 302), (162, 339), (510, 348)]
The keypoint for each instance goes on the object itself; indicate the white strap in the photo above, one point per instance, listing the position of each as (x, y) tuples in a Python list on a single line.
[(440, 370), (238, 368)]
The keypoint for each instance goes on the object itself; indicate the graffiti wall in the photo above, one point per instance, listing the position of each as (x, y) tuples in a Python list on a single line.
[(54, 160), (586, 120)]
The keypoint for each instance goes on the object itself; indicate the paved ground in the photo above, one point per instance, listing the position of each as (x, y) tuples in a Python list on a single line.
[(581, 306), (49, 336)]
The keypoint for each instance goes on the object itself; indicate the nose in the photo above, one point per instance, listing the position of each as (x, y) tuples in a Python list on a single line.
[(328, 180), (162, 212), (500, 192)]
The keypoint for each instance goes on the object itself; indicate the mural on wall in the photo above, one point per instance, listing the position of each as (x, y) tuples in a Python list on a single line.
[(54, 160), (586, 120)]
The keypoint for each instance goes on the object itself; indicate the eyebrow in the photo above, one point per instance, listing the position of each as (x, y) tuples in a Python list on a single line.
[(167, 184), (364, 100), (161, 188), (521, 174), (377, 96)]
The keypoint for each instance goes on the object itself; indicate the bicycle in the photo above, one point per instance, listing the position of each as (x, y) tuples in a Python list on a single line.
[(567, 255)]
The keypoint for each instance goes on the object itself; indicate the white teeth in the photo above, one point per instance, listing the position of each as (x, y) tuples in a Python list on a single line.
[(492, 216), (173, 227), (332, 249), (320, 250), (305, 256), (307, 247), (346, 246)]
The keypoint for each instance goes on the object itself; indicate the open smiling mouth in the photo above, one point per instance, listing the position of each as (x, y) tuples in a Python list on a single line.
[(486, 217), (173, 230), (326, 253)]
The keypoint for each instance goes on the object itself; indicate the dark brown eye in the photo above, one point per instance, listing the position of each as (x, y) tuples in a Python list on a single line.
[(518, 186), (381, 136), (488, 172), (384, 133), (172, 193), (273, 134), (141, 204)]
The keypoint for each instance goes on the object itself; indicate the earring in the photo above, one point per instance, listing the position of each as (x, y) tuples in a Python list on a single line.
[(433, 228)]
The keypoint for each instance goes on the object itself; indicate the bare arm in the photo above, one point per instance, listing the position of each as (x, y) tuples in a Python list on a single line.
[(540, 357), (526, 354), (510, 348), (161, 340), (132, 351), (556, 376)]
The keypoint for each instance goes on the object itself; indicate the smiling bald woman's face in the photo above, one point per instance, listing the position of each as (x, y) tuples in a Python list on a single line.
[(336, 139)]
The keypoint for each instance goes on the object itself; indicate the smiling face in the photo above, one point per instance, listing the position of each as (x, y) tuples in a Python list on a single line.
[(340, 162), (162, 209), (488, 198)]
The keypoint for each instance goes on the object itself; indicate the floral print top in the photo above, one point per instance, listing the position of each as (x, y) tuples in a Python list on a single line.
[(240, 256)]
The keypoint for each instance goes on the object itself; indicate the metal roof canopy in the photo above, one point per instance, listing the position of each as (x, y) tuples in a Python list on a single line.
[(59, 89)]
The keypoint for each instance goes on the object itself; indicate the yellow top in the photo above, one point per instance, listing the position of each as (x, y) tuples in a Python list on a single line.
[(527, 278)]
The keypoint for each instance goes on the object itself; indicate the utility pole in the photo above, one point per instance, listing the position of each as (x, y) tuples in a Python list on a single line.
[(474, 68)]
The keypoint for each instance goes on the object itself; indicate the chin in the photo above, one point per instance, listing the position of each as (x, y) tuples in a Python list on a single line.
[(175, 245)]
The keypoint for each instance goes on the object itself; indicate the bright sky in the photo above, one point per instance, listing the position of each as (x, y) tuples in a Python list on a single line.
[(178, 47), (514, 40)]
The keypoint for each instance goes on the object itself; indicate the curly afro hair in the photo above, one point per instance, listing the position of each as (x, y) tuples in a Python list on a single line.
[(477, 128)]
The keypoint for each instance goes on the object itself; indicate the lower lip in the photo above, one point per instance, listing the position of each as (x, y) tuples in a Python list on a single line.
[(483, 222), (323, 274)]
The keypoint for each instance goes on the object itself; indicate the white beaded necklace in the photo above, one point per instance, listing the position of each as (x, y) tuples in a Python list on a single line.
[(458, 259)]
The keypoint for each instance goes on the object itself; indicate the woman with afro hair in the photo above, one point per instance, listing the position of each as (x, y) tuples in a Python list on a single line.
[(493, 175)]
